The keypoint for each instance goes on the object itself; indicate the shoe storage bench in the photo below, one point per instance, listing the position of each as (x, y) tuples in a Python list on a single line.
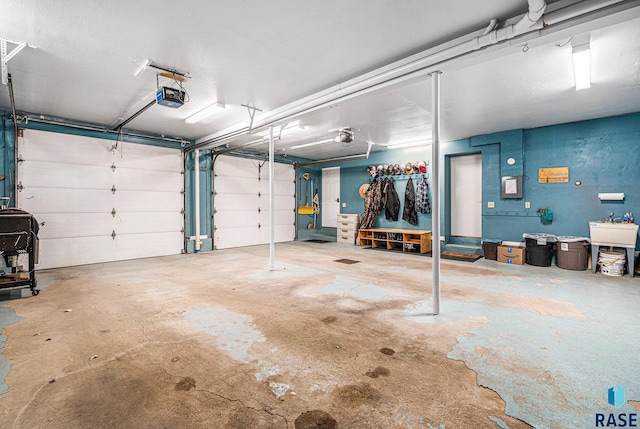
[(392, 238)]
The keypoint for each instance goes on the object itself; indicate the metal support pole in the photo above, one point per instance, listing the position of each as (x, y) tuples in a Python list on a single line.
[(435, 188), (272, 208), (196, 199)]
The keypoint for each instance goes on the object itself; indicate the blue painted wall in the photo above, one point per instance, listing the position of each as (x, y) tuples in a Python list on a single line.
[(603, 154)]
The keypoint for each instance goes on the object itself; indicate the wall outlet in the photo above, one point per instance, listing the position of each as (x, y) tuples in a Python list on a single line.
[(527, 205), (344, 204), (491, 204)]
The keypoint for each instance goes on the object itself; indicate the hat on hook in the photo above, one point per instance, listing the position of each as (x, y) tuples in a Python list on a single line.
[(416, 169), (363, 190), (422, 166), (385, 169), (408, 168)]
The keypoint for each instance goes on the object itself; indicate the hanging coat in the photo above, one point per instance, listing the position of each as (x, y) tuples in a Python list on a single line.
[(392, 207), (409, 213), (422, 196)]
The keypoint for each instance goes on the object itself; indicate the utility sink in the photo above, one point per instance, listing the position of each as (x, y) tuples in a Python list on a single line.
[(613, 234)]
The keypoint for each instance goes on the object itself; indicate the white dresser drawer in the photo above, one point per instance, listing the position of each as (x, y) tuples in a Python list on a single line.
[(345, 217), (348, 221), (351, 231), (346, 239)]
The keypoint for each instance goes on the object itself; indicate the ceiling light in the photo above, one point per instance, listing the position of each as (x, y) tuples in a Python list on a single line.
[(207, 111), (300, 146), (582, 62), (401, 145)]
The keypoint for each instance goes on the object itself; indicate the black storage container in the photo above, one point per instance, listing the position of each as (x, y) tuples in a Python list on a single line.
[(572, 253), (539, 248), (490, 249)]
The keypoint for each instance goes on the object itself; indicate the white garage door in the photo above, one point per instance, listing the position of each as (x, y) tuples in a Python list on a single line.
[(97, 204), (241, 202)]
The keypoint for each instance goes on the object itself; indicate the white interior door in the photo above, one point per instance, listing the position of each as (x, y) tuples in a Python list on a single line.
[(97, 204), (466, 196), (330, 204), (241, 202)]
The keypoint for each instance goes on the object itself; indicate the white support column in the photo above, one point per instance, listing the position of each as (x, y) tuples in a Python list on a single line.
[(196, 172), (272, 209), (435, 188)]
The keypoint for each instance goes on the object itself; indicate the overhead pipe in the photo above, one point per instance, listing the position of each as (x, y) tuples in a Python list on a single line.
[(412, 67), (28, 118)]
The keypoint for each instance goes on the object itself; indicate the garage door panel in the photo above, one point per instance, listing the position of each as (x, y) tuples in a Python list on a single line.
[(147, 201), (147, 180), (150, 158), (229, 202), (282, 172), (236, 185), (226, 238), (68, 184), (65, 148), (141, 223), (236, 218), (67, 252), (70, 225), (232, 166), (281, 187), (135, 246), (50, 175), (281, 234), (282, 217), (239, 209), (43, 200)]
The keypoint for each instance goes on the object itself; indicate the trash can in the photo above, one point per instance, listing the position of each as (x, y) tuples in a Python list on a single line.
[(539, 248), (572, 253), (490, 248)]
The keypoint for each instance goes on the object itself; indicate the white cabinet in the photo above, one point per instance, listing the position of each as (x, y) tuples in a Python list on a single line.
[(347, 228)]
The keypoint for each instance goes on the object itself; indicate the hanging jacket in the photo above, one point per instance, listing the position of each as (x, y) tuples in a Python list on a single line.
[(422, 196), (392, 207), (409, 213)]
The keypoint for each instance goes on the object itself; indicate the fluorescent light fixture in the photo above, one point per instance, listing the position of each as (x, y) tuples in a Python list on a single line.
[(204, 113), (401, 145), (300, 146), (582, 62)]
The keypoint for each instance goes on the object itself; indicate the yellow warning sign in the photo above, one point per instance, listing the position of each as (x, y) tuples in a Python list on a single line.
[(553, 175)]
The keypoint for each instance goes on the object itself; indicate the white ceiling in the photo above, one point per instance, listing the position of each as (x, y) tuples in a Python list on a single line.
[(269, 54)]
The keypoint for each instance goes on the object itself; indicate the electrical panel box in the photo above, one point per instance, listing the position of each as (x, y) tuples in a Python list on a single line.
[(170, 97)]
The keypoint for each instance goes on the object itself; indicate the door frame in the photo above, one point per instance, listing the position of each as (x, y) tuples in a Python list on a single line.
[(322, 199), (446, 232)]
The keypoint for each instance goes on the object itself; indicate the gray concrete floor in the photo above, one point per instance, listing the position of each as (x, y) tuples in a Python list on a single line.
[(217, 340)]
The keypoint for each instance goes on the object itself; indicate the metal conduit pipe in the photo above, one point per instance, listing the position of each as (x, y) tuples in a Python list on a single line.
[(28, 118), (196, 171), (412, 67)]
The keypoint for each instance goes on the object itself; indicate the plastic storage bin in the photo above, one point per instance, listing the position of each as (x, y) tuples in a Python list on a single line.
[(572, 253), (539, 248), (490, 249)]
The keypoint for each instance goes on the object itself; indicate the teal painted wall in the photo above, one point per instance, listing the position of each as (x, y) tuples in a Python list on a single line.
[(603, 154)]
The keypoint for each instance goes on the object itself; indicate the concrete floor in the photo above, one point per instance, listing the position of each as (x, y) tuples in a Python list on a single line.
[(217, 340)]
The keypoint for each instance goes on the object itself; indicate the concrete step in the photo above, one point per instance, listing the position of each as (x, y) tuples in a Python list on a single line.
[(462, 248)]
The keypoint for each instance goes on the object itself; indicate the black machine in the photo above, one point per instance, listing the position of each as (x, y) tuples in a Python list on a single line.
[(18, 245)]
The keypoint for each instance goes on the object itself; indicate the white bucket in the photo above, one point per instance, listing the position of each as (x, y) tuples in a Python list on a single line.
[(612, 263)]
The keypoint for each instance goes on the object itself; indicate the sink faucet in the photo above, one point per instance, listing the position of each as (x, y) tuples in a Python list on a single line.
[(611, 217)]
